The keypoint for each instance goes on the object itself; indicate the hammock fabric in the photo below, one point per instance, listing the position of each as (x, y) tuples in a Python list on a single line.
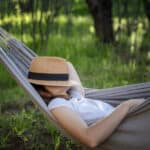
[(132, 134)]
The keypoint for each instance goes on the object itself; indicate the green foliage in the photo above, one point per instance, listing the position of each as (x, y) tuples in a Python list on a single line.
[(28, 129)]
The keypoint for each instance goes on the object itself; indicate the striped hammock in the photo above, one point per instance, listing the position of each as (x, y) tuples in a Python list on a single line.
[(132, 134)]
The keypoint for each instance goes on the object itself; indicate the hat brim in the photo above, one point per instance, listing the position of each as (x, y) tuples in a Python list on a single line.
[(54, 83)]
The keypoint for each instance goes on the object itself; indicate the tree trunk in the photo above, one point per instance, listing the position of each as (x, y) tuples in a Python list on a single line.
[(101, 11), (147, 9)]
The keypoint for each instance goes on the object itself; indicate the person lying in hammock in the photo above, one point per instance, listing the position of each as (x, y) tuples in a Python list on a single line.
[(89, 121)]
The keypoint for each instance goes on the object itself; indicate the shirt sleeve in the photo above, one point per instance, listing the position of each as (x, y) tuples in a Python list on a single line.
[(58, 102), (74, 93)]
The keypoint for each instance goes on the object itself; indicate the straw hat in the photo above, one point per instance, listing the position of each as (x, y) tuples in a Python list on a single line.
[(50, 71)]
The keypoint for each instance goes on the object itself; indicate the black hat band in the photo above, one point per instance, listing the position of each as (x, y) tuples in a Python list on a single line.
[(48, 77)]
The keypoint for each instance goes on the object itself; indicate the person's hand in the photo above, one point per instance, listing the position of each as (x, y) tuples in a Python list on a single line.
[(132, 103)]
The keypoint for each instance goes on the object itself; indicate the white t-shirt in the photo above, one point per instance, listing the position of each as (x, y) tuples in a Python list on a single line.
[(88, 109)]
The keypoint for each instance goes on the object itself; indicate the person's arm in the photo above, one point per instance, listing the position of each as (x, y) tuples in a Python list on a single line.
[(96, 134), (74, 76)]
